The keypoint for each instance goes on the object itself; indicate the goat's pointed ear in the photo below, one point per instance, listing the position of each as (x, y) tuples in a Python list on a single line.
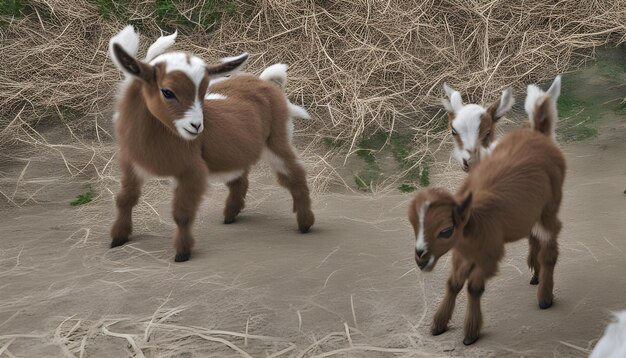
[(131, 65), (462, 210), (227, 65), (502, 105), (455, 103), (555, 89)]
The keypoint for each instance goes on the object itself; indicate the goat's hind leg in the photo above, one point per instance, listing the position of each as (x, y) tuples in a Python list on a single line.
[(125, 200), (236, 197), (187, 196), (548, 255), (291, 175), (533, 258)]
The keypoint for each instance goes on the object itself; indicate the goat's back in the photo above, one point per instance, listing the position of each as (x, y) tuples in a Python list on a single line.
[(521, 179), (241, 114)]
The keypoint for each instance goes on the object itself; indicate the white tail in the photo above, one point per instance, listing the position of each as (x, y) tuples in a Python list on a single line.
[(276, 73)]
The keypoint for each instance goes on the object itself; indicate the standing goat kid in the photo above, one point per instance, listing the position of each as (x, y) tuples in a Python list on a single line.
[(512, 193), (473, 127), (167, 127)]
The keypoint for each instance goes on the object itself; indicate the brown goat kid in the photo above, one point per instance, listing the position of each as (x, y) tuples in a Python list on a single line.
[(513, 193), (167, 127)]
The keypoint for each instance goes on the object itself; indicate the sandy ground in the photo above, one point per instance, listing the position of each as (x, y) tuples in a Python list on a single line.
[(348, 287)]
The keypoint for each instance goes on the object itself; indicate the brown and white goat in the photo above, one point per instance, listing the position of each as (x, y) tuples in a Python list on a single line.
[(473, 127), (166, 127), (512, 193)]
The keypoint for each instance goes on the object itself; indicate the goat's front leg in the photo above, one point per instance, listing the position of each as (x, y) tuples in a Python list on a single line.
[(458, 275), (125, 200), (187, 196), (473, 313)]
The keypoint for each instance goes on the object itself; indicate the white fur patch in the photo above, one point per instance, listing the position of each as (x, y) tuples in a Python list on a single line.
[(541, 232), (160, 45), (217, 80), (128, 39), (193, 116), (225, 177), (467, 124), (115, 117), (612, 344), (141, 173), (421, 244), (297, 111), (192, 66), (276, 73), (276, 162), (214, 96)]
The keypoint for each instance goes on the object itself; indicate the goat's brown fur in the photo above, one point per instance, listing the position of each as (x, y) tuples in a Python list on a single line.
[(503, 199), (251, 118)]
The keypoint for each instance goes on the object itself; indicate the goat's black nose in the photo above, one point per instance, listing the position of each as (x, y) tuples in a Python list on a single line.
[(196, 126), (419, 253)]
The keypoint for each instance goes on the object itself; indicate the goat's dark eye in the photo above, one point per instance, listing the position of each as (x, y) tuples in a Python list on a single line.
[(167, 93), (446, 233), (487, 134), (454, 132)]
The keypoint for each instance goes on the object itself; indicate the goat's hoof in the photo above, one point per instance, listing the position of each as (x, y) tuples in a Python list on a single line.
[(304, 229), (545, 304), (118, 242), (229, 220), (438, 331), (182, 257), (534, 280), (469, 340)]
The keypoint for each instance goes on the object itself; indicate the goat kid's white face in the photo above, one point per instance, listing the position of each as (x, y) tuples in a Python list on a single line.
[(174, 85), (472, 126)]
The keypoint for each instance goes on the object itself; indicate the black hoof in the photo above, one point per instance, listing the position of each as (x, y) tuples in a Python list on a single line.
[(544, 305), (534, 280), (469, 340), (304, 229), (436, 332), (118, 242), (229, 220), (182, 257)]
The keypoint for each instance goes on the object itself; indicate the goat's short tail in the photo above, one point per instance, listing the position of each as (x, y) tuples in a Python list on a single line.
[(277, 74), (541, 108)]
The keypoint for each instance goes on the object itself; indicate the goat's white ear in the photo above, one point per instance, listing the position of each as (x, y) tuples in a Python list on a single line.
[(446, 104), (501, 106), (455, 103), (131, 65), (555, 89), (227, 65), (160, 45)]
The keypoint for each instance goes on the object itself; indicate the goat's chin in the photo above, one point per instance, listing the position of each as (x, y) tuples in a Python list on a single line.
[(188, 136), (430, 264)]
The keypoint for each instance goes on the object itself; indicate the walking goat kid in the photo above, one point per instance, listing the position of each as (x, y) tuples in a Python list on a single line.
[(512, 193), (473, 127), (166, 127)]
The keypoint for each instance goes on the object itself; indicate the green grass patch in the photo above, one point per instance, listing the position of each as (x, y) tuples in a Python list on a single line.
[(10, 9), (407, 188), (110, 9), (84, 198), (367, 177), (400, 146), (168, 16)]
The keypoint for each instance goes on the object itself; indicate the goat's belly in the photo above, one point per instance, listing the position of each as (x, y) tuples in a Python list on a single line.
[(225, 177)]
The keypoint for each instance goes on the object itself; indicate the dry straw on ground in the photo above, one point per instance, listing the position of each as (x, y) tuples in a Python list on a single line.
[(358, 66)]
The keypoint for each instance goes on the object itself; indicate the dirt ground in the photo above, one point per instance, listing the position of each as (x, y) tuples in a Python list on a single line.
[(258, 287)]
